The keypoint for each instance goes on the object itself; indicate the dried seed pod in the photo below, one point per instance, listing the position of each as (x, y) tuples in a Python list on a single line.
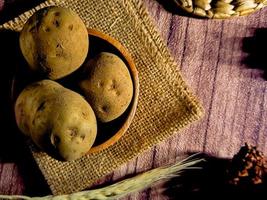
[(248, 166)]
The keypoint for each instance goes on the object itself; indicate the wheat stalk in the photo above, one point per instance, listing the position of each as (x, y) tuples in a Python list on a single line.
[(125, 187)]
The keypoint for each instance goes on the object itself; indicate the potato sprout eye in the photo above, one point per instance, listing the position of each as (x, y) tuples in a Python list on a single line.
[(55, 140)]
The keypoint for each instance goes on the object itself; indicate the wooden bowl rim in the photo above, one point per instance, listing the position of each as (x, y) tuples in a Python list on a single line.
[(134, 74)]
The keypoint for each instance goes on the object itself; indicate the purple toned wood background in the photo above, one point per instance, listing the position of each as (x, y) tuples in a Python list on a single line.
[(224, 63)]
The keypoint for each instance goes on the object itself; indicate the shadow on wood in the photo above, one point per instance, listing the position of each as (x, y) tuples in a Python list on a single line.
[(14, 8), (10, 138), (256, 48), (210, 182), (34, 182), (13, 148)]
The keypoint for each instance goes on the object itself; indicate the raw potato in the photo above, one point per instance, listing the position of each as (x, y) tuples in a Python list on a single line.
[(54, 41), (56, 118), (30, 98), (108, 87)]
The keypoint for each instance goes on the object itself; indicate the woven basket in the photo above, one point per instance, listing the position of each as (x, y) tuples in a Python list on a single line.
[(220, 9)]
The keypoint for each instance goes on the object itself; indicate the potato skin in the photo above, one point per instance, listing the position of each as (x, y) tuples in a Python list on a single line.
[(74, 125), (54, 42), (32, 100), (108, 86), (56, 117)]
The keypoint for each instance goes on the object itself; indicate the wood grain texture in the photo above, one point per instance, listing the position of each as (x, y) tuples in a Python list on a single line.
[(228, 79), (222, 63)]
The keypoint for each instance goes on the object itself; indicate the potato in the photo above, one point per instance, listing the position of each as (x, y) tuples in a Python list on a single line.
[(75, 125), (56, 118), (34, 96), (108, 86), (54, 42)]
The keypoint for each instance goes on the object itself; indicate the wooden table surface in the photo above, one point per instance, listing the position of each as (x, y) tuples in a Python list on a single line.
[(224, 63)]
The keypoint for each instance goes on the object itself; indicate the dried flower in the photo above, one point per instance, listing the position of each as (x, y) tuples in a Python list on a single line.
[(249, 166)]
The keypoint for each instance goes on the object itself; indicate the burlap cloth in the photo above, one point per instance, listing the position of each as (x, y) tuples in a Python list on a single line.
[(165, 103)]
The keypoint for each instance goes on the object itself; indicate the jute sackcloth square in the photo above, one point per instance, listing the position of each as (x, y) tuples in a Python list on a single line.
[(165, 103)]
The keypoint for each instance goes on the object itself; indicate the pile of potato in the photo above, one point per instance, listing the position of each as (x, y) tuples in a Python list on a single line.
[(54, 42)]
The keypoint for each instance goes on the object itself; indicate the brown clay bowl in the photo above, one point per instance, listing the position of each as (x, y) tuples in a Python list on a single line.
[(108, 133), (114, 130)]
